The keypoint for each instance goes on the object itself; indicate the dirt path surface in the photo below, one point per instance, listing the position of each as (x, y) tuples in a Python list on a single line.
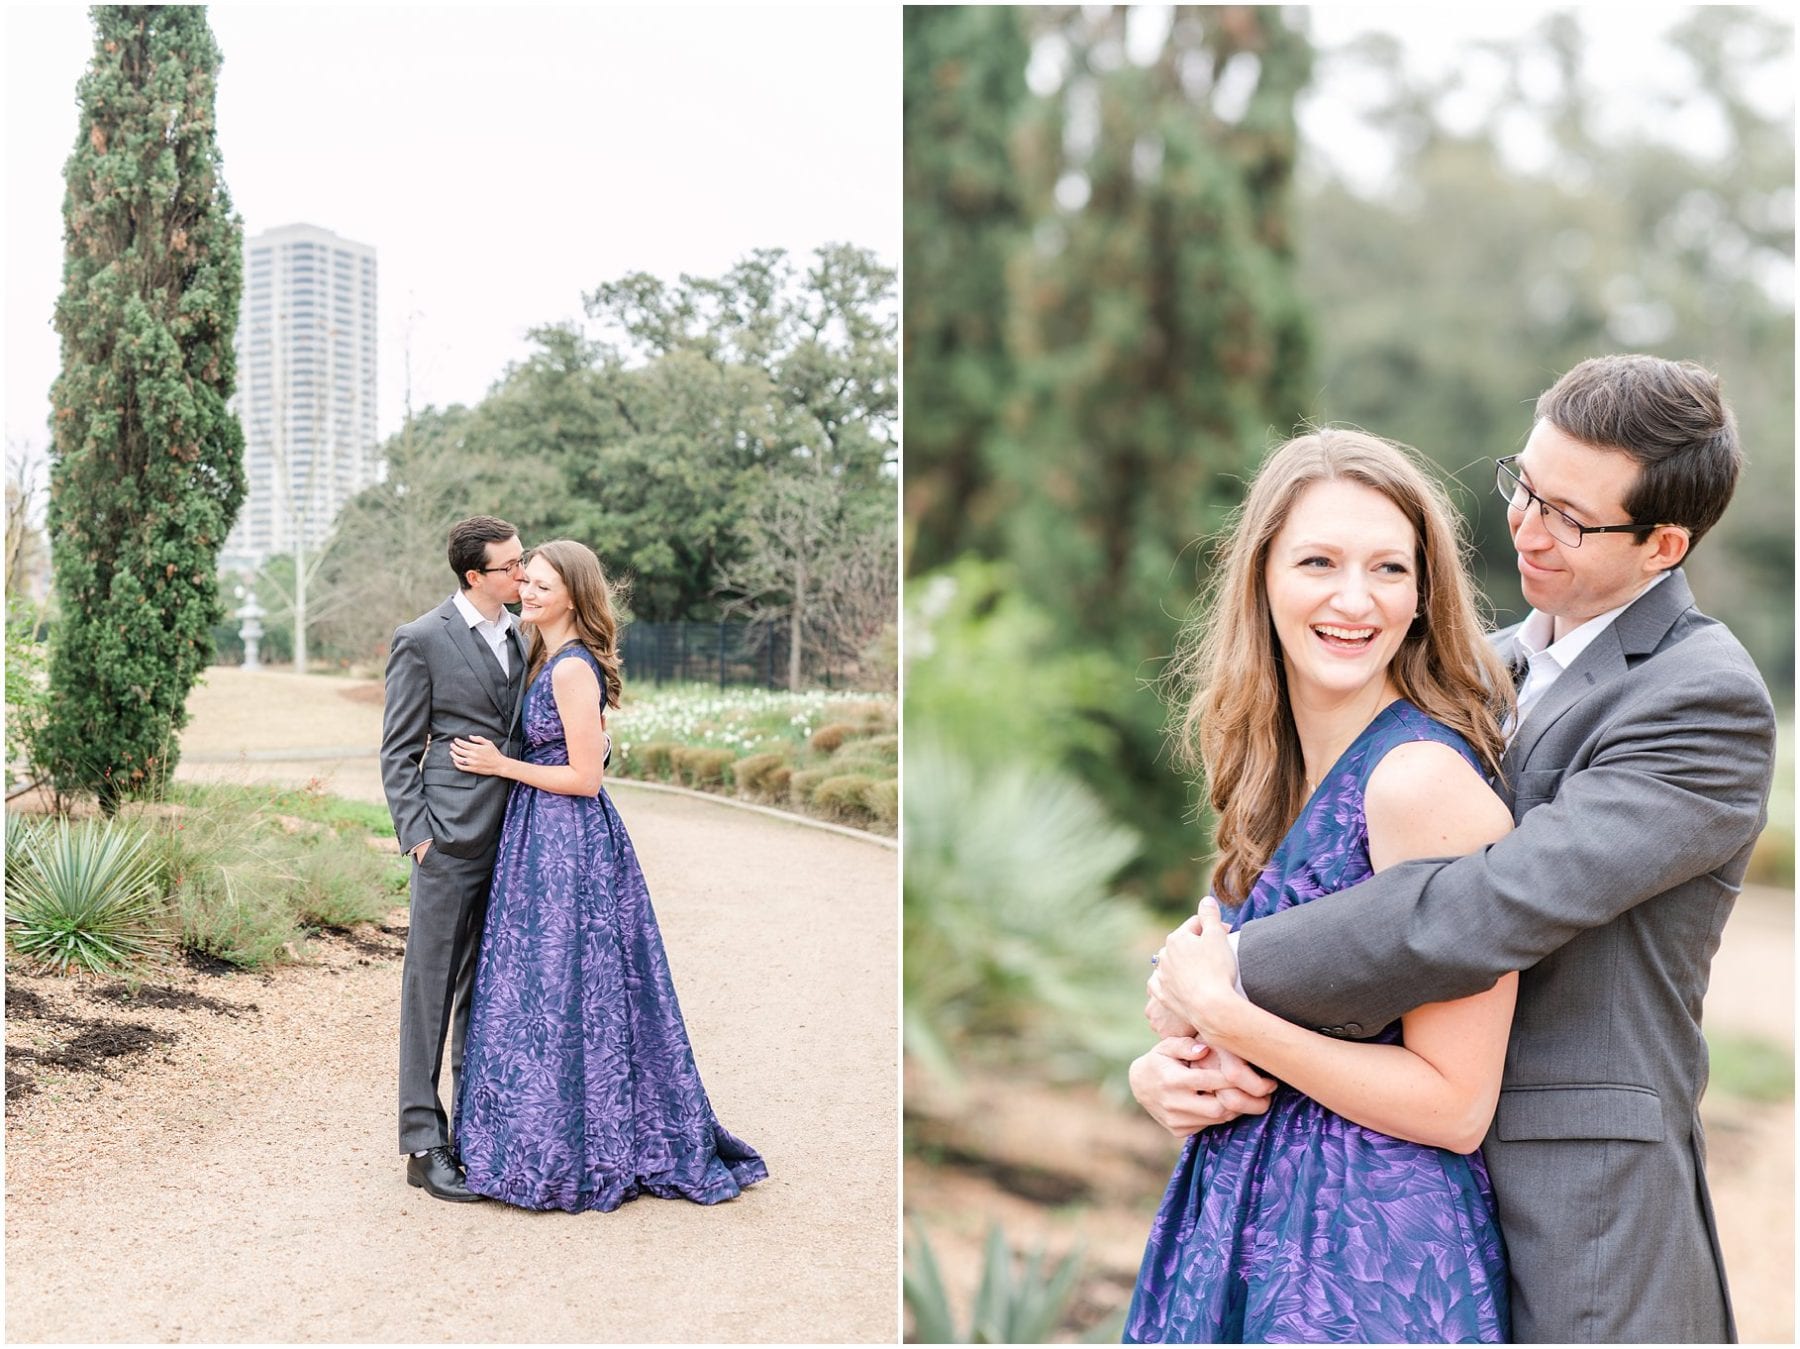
[(241, 1183)]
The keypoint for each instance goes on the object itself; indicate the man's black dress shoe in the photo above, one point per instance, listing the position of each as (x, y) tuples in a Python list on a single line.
[(436, 1174)]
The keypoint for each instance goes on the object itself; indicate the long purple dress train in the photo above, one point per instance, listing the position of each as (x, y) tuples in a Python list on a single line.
[(579, 1087), (1297, 1226)]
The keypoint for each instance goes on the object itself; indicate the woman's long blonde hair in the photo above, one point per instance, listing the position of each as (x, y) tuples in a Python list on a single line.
[(1238, 728), (592, 595)]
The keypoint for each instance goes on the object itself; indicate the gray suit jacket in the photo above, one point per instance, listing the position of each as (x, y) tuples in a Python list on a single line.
[(1638, 783), (442, 683)]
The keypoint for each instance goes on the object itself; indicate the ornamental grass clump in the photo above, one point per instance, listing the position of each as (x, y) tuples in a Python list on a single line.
[(828, 738), (86, 896), (340, 886), (882, 800), (845, 796), (703, 767), (753, 775), (802, 783), (655, 760)]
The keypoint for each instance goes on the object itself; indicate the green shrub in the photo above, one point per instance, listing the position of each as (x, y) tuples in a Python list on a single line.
[(752, 772), (27, 686), (845, 796), (777, 783), (338, 886), (86, 896), (231, 880), (245, 925), (702, 767)]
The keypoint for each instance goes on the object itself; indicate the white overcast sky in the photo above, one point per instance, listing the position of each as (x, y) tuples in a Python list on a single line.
[(501, 161)]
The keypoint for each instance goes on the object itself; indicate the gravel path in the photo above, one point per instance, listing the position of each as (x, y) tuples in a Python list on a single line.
[(242, 1183)]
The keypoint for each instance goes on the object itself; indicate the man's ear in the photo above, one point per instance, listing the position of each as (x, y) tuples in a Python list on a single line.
[(1668, 545)]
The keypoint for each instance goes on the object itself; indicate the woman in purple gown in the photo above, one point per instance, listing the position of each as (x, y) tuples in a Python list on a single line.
[(1345, 709), (579, 1089)]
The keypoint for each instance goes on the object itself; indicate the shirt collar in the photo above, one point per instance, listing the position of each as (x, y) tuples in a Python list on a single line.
[(473, 617), (1535, 632)]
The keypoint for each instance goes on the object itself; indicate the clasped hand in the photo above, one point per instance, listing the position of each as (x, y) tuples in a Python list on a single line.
[(1193, 987), (1184, 1083), (1186, 1086)]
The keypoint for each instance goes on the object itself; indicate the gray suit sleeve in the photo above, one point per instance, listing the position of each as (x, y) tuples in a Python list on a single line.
[(1674, 789), (405, 722)]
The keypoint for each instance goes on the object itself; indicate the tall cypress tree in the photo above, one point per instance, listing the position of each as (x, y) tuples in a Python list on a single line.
[(146, 463), (966, 220), (1161, 334)]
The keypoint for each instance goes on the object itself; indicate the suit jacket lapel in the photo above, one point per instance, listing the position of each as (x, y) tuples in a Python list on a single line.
[(1635, 633), (481, 660)]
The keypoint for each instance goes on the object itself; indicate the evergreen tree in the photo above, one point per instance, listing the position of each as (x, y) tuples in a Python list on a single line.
[(1160, 332), (965, 220), (147, 465)]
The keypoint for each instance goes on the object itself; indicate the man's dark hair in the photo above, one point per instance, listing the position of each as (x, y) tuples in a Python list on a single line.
[(1667, 415), (469, 540)]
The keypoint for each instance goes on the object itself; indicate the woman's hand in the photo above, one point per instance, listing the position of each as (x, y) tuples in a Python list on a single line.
[(1196, 976), (477, 754), (1186, 1086)]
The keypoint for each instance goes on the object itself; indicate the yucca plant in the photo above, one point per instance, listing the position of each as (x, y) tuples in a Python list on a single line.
[(86, 896), (1014, 938), (1025, 1309), (19, 837)]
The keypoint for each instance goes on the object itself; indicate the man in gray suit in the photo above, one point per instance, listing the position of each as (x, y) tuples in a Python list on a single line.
[(1638, 772), (458, 671)]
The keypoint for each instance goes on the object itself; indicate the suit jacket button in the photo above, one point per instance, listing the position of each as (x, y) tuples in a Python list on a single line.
[(1353, 1029), (1331, 1030)]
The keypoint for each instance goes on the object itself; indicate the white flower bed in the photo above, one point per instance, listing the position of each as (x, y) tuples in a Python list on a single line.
[(743, 720)]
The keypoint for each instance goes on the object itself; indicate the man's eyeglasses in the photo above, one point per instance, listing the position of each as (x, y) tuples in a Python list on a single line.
[(1560, 525), (517, 565)]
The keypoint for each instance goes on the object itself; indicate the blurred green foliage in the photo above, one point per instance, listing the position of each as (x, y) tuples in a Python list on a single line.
[(1026, 1306), (1450, 296), (1750, 1068)]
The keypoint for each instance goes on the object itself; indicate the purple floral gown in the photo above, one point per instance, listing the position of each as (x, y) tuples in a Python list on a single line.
[(579, 1087), (1297, 1225)]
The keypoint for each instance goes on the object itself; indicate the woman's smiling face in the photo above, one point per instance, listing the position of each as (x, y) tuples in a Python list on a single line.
[(1343, 587), (543, 598)]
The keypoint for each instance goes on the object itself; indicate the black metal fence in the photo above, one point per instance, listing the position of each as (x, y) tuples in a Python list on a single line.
[(707, 653)]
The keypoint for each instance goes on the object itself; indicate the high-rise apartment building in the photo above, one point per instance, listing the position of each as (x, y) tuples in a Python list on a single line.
[(305, 388)]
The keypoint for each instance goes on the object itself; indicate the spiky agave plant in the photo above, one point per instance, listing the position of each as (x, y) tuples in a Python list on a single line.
[(1022, 1307), (85, 896)]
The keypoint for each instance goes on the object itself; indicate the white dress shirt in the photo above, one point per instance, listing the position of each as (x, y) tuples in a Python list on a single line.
[(1548, 659), (493, 633)]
